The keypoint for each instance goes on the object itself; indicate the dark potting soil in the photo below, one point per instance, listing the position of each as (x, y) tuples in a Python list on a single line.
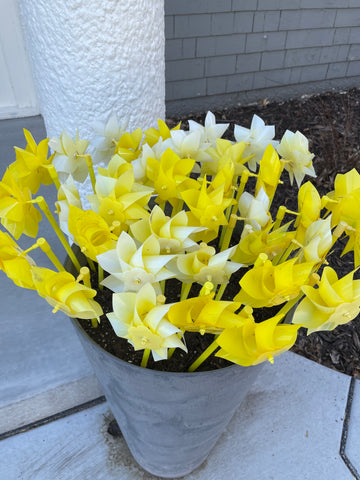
[(331, 122)]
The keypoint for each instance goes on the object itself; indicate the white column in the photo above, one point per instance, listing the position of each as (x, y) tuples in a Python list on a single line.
[(93, 57)]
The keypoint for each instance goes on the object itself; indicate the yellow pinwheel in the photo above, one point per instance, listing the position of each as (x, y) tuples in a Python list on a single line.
[(62, 292), (272, 243), (116, 167), (267, 284), (17, 212), (224, 153), (344, 200), (170, 175), (334, 302), (15, 263), (309, 206), (224, 179), (31, 165), (207, 208), (129, 145), (172, 233), (153, 135), (269, 172), (253, 343), (205, 315), (344, 205), (90, 232)]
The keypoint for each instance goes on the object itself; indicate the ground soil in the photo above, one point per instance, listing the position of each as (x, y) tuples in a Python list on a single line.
[(331, 121)]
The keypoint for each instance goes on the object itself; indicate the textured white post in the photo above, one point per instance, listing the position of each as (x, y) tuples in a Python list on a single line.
[(93, 57)]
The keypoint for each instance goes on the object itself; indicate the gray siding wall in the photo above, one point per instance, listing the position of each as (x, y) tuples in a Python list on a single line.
[(223, 52)]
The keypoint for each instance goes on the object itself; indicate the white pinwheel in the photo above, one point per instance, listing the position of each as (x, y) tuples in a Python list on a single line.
[(205, 265), (254, 210), (188, 144), (140, 318), (130, 267), (67, 195), (69, 156), (257, 138), (139, 164), (108, 135), (318, 240), (294, 150), (211, 131)]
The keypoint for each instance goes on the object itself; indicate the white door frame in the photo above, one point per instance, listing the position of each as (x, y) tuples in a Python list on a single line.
[(17, 92)]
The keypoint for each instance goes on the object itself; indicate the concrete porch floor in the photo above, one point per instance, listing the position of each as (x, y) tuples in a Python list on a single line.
[(53, 418)]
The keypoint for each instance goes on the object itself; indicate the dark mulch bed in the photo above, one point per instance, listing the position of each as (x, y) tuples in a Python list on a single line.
[(331, 121)]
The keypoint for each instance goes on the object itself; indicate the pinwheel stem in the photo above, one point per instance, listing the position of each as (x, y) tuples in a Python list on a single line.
[(178, 208), (84, 277), (91, 264), (90, 167), (206, 354), (145, 357), (100, 276), (228, 233), (221, 291), (45, 247), (289, 305), (185, 289), (243, 181), (54, 176), (279, 217), (40, 201)]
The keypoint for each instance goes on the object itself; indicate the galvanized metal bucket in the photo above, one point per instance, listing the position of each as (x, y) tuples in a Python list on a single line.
[(170, 421)]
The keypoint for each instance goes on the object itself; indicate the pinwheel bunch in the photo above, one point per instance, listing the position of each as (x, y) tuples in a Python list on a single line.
[(185, 211)]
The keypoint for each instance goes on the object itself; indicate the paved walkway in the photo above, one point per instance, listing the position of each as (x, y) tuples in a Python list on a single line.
[(54, 420)]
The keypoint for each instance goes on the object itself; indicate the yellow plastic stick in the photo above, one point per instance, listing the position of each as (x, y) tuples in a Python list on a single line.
[(54, 176), (221, 291), (91, 264), (228, 232), (45, 209), (201, 359), (90, 167), (185, 291), (145, 357), (243, 181), (100, 277), (279, 217), (85, 276), (45, 247)]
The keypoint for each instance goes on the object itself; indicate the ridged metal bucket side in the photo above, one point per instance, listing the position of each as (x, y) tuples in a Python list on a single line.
[(170, 421)]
